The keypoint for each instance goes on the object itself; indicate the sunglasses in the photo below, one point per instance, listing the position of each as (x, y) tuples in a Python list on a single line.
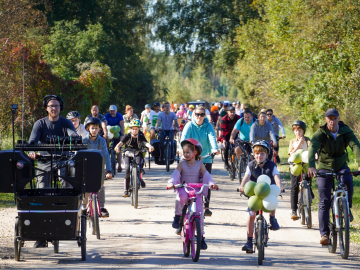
[(200, 114), (269, 114)]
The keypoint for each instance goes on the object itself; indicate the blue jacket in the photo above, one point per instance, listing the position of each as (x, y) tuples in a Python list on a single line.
[(205, 134)]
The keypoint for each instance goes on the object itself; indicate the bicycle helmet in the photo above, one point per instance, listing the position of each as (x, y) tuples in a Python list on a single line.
[(194, 142), (191, 106), (300, 124), (53, 97), (93, 121), (226, 103), (262, 143), (73, 114), (156, 104), (135, 123), (183, 121), (147, 106)]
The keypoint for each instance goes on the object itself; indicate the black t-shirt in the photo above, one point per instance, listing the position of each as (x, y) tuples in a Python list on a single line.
[(134, 143)]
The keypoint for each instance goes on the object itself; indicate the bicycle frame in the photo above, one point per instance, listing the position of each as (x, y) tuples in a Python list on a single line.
[(339, 193), (89, 207)]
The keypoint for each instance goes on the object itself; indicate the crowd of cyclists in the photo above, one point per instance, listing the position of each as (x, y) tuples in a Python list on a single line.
[(200, 129)]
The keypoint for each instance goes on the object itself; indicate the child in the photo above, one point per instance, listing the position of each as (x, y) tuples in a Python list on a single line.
[(182, 125), (300, 142), (134, 140), (260, 165), (191, 170), (95, 141)]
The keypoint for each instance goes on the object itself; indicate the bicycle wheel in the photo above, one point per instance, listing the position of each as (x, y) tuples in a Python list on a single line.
[(231, 167), (17, 244), (135, 188), (333, 233), (113, 162), (307, 204), (56, 246), (186, 246), (167, 157), (344, 223), (301, 205), (240, 167), (260, 242), (83, 238), (95, 208), (195, 239), (222, 154), (149, 159)]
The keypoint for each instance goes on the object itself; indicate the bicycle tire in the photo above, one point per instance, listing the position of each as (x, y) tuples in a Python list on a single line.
[(186, 246), (240, 166), (307, 203), (113, 162), (17, 244), (95, 208), (135, 188), (260, 242), (149, 159), (83, 238), (333, 233), (301, 206), (222, 154), (56, 246), (344, 235), (231, 167), (167, 157), (196, 236)]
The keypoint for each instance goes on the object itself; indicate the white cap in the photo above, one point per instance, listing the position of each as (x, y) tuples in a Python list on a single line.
[(113, 108)]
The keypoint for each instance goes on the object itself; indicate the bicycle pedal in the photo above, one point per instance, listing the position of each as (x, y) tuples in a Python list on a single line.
[(250, 251)]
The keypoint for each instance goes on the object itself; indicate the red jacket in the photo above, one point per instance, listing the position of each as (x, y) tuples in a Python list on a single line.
[(226, 127)]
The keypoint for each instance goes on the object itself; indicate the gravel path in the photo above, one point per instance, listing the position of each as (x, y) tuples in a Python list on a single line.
[(143, 238)]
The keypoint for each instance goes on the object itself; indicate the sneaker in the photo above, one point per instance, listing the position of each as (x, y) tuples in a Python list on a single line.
[(142, 183), (203, 244), (126, 194), (294, 215), (161, 159), (104, 212), (351, 216), (176, 222), (277, 159), (274, 225), (324, 240), (178, 231), (119, 169), (40, 244), (248, 247), (207, 213)]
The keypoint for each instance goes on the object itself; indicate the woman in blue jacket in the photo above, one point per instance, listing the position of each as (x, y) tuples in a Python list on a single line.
[(200, 129)]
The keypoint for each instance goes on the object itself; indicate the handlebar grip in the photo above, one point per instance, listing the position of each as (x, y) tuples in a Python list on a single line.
[(167, 188), (238, 190)]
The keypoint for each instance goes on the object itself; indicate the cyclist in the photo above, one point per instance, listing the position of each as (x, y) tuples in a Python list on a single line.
[(162, 107), (222, 112), (276, 124), (242, 126), (75, 118), (300, 142), (114, 118), (128, 117), (260, 165), (145, 118), (168, 120), (153, 119), (262, 130), (134, 140), (227, 124), (238, 110), (189, 114), (332, 139), (95, 113), (95, 141), (191, 170)]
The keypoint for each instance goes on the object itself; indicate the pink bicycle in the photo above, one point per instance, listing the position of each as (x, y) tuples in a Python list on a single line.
[(94, 213), (190, 221)]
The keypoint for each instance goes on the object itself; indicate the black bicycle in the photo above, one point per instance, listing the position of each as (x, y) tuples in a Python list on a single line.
[(242, 162), (231, 162), (168, 144), (113, 156), (135, 171)]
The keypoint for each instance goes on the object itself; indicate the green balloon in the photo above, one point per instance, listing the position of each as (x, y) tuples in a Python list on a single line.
[(117, 135), (117, 128), (255, 203), (249, 188), (296, 169), (113, 129), (262, 190)]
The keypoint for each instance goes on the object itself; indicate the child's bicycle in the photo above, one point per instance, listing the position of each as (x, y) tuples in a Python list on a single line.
[(113, 157), (339, 216), (304, 200), (94, 213), (190, 221)]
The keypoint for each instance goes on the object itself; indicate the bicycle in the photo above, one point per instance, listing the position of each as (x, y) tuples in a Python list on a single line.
[(242, 162), (94, 213), (339, 216), (304, 200), (274, 154), (167, 147), (190, 221), (231, 162), (113, 157), (135, 174)]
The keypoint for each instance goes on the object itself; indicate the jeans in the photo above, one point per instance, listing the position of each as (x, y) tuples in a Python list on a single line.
[(325, 185), (294, 194), (226, 152), (44, 181), (139, 160), (162, 136), (208, 167)]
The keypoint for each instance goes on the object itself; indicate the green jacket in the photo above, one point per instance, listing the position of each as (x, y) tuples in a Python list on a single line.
[(333, 154)]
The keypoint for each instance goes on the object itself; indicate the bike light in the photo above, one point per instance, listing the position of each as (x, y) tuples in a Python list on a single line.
[(68, 222), (71, 163), (27, 222), (20, 164)]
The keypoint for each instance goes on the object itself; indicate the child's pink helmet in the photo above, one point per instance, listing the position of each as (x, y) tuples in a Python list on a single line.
[(194, 142)]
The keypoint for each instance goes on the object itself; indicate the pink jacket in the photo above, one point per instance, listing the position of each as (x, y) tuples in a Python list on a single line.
[(206, 179)]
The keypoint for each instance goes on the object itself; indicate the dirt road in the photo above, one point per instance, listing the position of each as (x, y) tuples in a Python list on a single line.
[(144, 239)]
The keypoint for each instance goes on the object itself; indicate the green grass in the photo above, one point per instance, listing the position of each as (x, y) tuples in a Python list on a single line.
[(285, 176), (6, 200)]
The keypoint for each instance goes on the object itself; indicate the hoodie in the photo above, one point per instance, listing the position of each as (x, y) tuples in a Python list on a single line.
[(205, 134), (265, 132)]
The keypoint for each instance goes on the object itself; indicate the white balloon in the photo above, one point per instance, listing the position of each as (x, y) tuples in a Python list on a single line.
[(264, 178), (274, 190), (108, 128), (305, 157), (270, 203), (110, 135)]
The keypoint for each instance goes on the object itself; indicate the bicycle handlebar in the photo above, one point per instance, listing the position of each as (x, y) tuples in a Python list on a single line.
[(357, 173), (211, 155), (186, 185)]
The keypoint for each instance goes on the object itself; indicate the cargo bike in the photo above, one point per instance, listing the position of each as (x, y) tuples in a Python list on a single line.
[(51, 214)]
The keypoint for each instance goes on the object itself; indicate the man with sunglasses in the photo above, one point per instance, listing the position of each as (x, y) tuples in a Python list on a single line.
[(226, 126), (168, 120), (276, 124)]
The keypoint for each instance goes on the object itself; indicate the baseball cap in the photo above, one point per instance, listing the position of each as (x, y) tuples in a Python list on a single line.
[(332, 112), (231, 108), (112, 108)]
